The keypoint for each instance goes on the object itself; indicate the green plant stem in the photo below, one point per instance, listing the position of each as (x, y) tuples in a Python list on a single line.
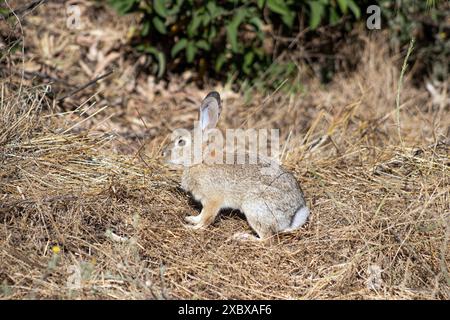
[(399, 87)]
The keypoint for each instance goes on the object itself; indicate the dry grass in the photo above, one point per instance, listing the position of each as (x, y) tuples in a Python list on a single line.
[(79, 193)]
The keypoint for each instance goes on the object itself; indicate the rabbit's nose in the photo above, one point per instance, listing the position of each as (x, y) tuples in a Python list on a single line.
[(165, 152)]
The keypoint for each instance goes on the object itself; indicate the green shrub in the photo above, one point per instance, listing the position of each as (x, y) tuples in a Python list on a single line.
[(228, 37), (235, 38)]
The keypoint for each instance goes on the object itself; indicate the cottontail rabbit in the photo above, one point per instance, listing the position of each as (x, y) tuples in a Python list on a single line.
[(269, 196)]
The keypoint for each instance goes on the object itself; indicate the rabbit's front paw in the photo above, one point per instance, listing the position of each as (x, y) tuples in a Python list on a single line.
[(197, 226), (193, 219)]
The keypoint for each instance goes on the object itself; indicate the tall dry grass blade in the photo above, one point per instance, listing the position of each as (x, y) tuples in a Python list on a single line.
[(399, 88)]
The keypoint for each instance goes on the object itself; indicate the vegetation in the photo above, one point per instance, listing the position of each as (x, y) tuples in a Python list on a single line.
[(236, 38), (426, 23), (225, 37)]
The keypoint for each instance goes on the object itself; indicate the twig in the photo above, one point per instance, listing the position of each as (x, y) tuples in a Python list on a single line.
[(90, 83), (44, 76), (32, 5)]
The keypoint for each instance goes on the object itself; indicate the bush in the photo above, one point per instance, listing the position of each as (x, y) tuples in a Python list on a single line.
[(235, 38), (228, 37)]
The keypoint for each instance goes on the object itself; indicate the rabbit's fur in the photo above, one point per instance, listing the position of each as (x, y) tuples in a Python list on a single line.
[(268, 195)]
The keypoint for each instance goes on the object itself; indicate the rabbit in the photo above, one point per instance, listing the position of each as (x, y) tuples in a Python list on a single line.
[(269, 196)]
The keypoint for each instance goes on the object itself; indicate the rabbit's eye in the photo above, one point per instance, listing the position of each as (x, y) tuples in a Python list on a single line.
[(181, 142)]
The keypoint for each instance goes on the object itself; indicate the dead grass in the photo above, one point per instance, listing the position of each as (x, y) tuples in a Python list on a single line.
[(80, 198)]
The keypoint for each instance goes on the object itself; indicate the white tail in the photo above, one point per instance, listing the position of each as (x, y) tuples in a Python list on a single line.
[(300, 218)]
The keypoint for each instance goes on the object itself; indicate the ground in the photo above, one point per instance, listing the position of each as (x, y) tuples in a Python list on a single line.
[(88, 209)]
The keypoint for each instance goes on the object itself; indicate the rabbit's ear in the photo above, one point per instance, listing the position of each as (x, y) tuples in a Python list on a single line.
[(210, 110)]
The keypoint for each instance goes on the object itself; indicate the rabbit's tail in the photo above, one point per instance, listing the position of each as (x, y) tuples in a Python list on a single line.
[(300, 217)]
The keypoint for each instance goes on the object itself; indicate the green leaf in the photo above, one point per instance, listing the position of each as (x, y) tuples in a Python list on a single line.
[(260, 3), (191, 50), (160, 8), (145, 28), (212, 34), (288, 19), (194, 24), (280, 7), (176, 8), (123, 6), (259, 52), (334, 17), (180, 45), (354, 8), (4, 11), (206, 19), (211, 7), (203, 44), (317, 11), (161, 63), (342, 5), (219, 62), (248, 59), (160, 57), (232, 29), (159, 25), (214, 10), (232, 37), (257, 22)]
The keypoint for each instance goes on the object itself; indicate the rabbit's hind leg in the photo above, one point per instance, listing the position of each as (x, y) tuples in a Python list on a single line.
[(209, 213), (255, 215)]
